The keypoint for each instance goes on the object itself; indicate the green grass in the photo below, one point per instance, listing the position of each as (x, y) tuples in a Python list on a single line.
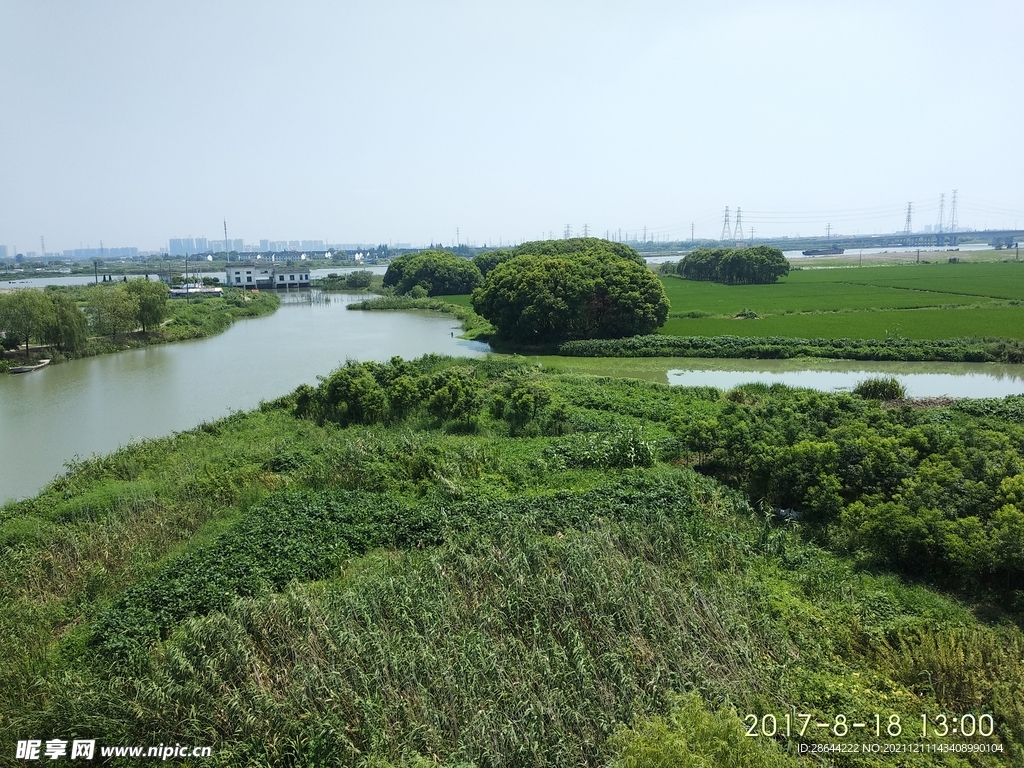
[(926, 301), (462, 299), (414, 591), (1000, 280), (913, 324), (922, 301), (796, 294)]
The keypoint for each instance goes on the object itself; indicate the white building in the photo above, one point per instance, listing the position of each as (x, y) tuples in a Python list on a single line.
[(267, 276)]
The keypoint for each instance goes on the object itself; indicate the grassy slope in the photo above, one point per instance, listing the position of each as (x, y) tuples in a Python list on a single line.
[(542, 596)]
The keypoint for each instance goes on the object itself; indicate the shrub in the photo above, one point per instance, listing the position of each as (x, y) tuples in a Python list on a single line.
[(881, 388)]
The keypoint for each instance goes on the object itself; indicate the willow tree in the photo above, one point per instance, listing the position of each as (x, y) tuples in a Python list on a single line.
[(25, 314)]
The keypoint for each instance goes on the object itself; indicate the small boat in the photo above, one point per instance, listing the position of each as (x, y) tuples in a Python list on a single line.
[(833, 251), (30, 368)]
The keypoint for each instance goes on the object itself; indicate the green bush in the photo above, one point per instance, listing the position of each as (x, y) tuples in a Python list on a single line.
[(881, 388)]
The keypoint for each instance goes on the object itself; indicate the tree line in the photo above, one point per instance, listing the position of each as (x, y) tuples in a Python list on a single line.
[(758, 264), (64, 319)]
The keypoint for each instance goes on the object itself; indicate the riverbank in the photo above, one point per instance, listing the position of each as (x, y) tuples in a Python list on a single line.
[(475, 328), (454, 517), (188, 320), (967, 350)]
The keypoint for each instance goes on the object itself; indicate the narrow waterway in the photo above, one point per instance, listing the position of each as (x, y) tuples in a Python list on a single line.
[(94, 405), (919, 379)]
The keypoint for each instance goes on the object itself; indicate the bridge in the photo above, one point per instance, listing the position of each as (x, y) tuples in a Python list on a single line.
[(998, 238)]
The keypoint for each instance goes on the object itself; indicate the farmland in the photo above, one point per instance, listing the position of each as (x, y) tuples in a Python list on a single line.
[(929, 323), (868, 303), (476, 563), (973, 310)]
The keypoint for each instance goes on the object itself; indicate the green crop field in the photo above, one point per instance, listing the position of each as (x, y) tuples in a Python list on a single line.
[(927, 301), (924, 302), (795, 294), (997, 280), (462, 299), (912, 324)]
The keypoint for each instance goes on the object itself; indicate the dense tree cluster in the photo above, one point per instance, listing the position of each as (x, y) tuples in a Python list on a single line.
[(488, 260), (53, 316), (548, 293), (759, 264), (375, 393), (924, 492), (577, 245), (434, 273)]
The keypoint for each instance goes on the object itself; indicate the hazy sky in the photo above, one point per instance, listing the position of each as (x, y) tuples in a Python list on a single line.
[(133, 122)]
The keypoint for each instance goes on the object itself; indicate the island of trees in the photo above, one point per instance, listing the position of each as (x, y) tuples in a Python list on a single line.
[(431, 273), (758, 264), (559, 290), (537, 294)]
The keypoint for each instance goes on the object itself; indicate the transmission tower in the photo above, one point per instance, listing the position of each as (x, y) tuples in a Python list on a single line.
[(586, 230), (907, 226), (942, 211), (726, 227), (568, 232), (737, 233), (952, 213)]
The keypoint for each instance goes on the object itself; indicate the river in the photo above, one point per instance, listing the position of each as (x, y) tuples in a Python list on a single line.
[(92, 406), (96, 404)]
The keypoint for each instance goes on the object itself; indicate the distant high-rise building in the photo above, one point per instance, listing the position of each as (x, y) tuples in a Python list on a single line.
[(201, 246), (181, 246), (264, 245), (3, 251), (101, 253)]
